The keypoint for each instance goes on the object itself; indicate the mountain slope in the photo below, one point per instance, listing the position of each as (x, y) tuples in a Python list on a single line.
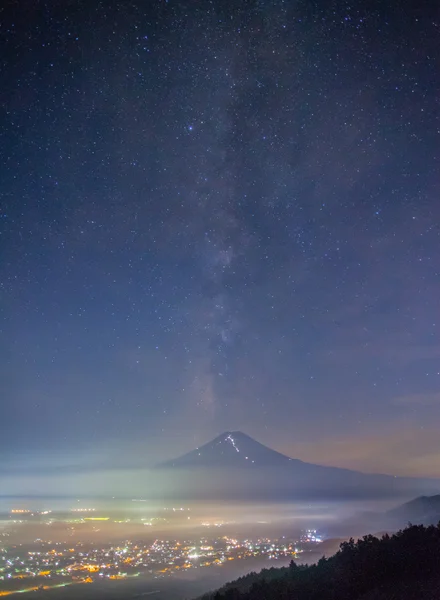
[(403, 566), (425, 509), (231, 449), (234, 465)]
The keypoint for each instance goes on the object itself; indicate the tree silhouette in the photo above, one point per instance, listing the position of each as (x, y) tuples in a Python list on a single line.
[(405, 565)]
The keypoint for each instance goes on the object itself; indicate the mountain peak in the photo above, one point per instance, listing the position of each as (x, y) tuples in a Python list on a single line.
[(234, 436), (230, 449), (234, 465)]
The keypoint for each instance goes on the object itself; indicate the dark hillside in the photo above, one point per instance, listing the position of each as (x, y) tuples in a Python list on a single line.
[(401, 567)]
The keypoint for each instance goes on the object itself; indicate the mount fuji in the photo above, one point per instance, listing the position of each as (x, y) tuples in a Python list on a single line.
[(231, 449), (235, 466)]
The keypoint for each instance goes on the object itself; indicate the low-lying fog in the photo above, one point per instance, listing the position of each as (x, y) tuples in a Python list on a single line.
[(138, 518), (113, 506)]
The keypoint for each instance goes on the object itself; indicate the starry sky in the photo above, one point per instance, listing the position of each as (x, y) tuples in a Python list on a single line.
[(220, 215)]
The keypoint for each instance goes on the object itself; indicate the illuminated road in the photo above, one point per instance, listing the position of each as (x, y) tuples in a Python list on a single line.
[(38, 589)]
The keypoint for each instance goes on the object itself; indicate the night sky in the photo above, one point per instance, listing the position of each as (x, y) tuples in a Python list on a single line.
[(220, 216)]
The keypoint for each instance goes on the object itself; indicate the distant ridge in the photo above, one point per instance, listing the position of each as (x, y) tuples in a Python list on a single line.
[(424, 510)]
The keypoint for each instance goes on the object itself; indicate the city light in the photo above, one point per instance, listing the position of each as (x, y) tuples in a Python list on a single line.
[(47, 564)]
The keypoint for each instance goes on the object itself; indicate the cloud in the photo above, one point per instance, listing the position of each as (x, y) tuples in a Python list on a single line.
[(431, 399), (400, 449)]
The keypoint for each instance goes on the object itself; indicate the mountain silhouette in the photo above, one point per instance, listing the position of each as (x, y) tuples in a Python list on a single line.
[(234, 465), (422, 510), (231, 449)]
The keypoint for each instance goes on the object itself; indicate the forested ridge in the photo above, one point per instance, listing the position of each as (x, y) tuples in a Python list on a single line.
[(402, 566)]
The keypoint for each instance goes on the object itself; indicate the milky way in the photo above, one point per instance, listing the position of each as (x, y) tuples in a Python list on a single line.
[(220, 216)]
